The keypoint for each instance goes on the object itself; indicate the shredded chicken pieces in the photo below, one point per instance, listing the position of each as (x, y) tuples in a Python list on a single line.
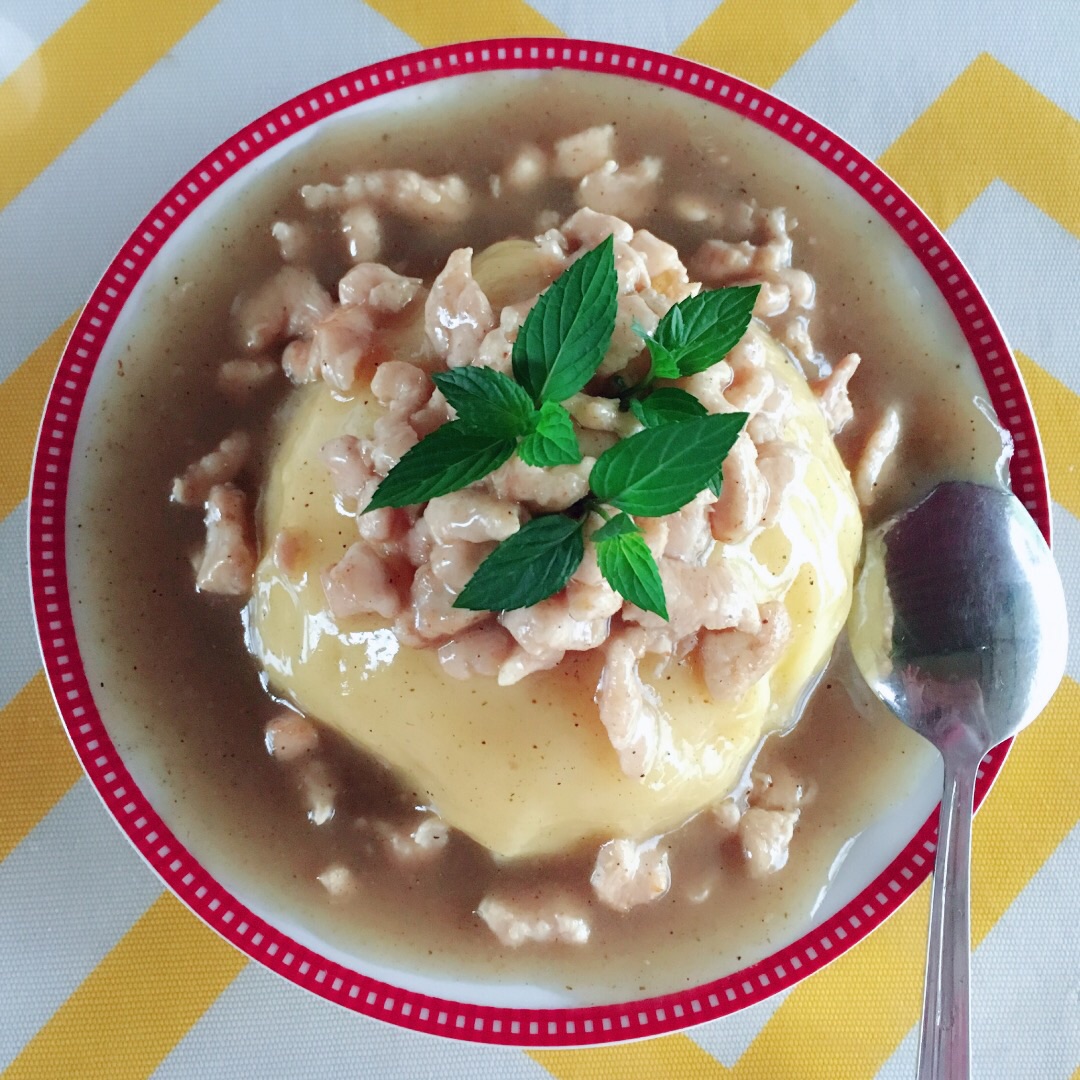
[(219, 466), (629, 874), (540, 919), (228, 559), (407, 566)]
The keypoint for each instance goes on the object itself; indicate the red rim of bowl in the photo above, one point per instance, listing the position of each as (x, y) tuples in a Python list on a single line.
[(48, 498)]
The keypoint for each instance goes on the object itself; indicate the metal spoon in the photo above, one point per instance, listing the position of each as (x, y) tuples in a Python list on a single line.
[(959, 626)]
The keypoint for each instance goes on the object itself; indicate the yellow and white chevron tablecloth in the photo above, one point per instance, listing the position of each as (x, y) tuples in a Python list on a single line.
[(973, 105)]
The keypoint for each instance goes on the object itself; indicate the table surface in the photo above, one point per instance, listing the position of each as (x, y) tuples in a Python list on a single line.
[(973, 105)]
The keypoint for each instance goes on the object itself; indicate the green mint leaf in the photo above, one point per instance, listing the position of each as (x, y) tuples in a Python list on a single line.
[(659, 470), (553, 441), (568, 330), (701, 330), (668, 405), (628, 565), (612, 529), (487, 401), (451, 457), (664, 363), (530, 566)]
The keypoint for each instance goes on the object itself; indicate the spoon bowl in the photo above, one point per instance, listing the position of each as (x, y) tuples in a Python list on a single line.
[(959, 626)]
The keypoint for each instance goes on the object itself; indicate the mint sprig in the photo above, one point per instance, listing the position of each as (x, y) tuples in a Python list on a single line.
[(533, 564), (568, 330), (487, 401), (659, 470), (552, 440), (655, 472), (668, 405), (663, 363), (700, 331), (628, 565), (450, 458)]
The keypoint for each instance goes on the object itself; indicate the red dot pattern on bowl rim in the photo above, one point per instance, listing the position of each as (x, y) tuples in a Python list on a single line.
[(126, 803)]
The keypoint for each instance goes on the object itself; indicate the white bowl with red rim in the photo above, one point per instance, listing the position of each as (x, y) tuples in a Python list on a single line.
[(869, 889)]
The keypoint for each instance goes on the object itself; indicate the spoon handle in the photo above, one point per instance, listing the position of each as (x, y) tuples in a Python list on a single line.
[(945, 1038)]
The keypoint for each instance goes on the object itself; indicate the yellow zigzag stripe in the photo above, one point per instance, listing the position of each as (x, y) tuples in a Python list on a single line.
[(79, 72), (990, 124), (37, 765), (811, 1034), (439, 22), (1032, 808), (137, 1003), (22, 401), (673, 1057), (746, 39)]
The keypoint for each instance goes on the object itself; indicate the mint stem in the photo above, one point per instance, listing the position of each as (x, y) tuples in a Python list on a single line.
[(591, 505), (638, 390)]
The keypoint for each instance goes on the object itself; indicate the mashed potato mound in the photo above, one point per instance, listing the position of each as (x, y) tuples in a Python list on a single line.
[(624, 726)]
